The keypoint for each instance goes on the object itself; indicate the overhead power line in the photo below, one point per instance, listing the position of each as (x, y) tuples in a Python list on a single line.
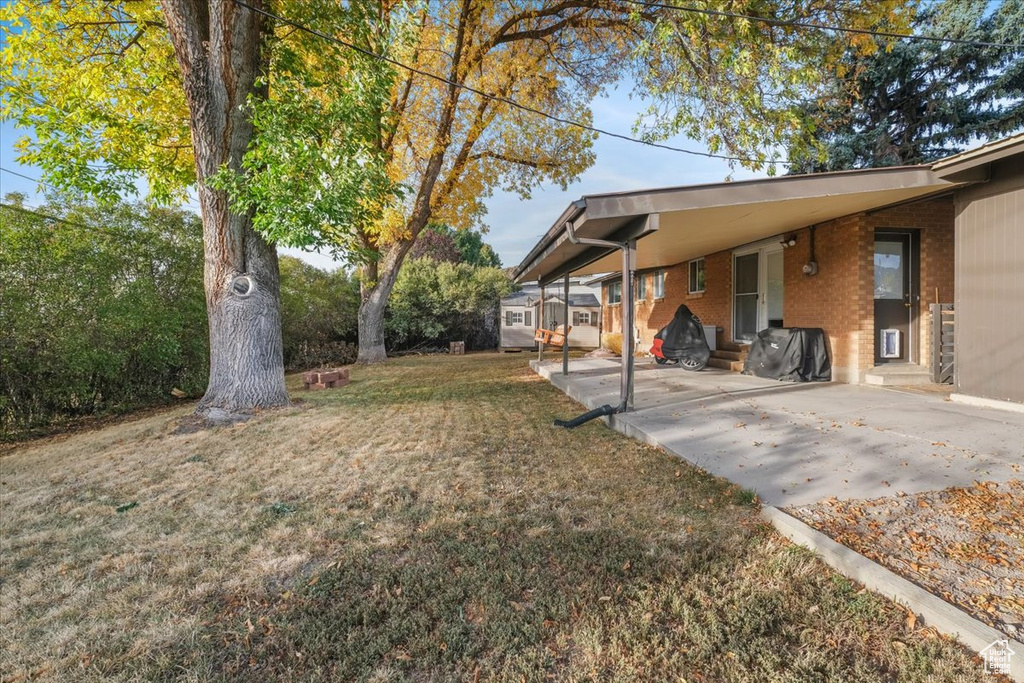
[(821, 27), (33, 211), (497, 98), (22, 175)]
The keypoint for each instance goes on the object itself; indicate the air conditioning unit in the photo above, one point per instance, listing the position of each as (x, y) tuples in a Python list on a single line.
[(710, 332), (890, 344)]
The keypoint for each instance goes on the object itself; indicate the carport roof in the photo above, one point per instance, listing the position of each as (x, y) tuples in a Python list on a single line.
[(957, 165), (696, 220)]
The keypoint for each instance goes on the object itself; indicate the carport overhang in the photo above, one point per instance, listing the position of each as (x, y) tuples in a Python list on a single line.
[(675, 224), (658, 228)]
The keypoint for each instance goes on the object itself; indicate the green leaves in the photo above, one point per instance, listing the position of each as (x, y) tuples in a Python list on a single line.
[(740, 85), (315, 171), (920, 101), (95, 87), (101, 309), (433, 303)]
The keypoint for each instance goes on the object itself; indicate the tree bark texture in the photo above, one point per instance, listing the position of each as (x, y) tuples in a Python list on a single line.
[(219, 46)]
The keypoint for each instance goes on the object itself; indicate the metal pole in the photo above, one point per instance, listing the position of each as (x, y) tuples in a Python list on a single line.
[(628, 266), (565, 343), (540, 325)]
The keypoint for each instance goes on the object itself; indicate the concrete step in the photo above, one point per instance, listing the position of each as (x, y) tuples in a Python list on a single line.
[(898, 375), (729, 355), (724, 364)]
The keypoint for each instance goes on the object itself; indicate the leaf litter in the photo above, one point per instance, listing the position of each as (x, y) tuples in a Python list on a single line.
[(964, 544)]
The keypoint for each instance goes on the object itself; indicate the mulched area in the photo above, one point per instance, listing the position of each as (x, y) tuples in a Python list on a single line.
[(964, 544)]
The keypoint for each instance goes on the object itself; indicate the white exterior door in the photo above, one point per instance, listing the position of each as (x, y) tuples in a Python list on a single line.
[(758, 290)]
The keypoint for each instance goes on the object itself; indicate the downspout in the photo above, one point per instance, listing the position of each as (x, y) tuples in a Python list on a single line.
[(540, 325), (565, 327), (628, 249)]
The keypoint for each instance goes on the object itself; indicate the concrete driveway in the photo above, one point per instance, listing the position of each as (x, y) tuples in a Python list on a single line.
[(796, 444)]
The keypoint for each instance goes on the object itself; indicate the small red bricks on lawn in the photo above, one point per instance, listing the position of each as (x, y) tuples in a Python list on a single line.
[(325, 379)]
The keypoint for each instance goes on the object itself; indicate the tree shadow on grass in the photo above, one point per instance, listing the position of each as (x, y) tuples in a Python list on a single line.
[(529, 597)]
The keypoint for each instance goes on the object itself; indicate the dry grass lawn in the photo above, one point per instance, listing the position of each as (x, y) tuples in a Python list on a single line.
[(424, 523)]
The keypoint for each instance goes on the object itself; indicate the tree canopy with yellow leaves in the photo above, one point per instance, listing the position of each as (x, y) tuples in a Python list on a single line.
[(371, 120), (468, 106)]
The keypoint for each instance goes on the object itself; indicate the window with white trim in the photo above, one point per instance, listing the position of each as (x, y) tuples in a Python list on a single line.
[(513, 318), (659, 284), (580, 318), (614, 292), (696, 276)]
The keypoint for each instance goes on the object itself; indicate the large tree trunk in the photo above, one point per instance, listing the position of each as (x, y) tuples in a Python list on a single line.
[(376, 283), (219, 46)]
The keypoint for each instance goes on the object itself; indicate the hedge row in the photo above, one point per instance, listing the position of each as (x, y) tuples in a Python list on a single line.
[(100, 311)]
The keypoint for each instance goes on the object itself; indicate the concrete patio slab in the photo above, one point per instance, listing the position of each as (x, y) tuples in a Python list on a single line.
[(796, 444)]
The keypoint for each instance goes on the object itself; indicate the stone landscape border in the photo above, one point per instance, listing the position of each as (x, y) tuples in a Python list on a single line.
[(932, 610)]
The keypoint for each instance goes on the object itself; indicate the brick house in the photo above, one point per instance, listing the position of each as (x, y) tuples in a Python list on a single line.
[(860, 254)]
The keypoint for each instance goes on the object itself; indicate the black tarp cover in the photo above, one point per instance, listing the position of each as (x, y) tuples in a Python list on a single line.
[(794, 354), (683, 337)]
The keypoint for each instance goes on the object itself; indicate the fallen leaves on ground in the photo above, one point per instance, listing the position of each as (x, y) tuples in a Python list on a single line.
[(964, 544)]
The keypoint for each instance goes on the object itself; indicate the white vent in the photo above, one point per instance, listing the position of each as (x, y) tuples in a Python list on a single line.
[(890, 344)]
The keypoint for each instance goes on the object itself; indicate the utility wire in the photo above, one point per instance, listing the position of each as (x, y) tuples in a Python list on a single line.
[(34, 211), (22, 175), (822, 27), (496, 98)]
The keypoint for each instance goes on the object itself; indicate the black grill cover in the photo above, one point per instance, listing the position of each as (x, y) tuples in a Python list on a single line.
[(794, 354)]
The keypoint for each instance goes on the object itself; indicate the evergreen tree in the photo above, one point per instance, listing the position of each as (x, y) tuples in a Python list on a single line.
[(918, 101)]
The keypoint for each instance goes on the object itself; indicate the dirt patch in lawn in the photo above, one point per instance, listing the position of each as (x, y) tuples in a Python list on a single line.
[(964, 544)]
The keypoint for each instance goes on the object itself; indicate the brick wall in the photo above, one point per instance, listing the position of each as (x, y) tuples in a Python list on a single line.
[(713, 306), (839, 299)]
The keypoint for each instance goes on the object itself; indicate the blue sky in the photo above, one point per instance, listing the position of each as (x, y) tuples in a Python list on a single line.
[(515, 224)]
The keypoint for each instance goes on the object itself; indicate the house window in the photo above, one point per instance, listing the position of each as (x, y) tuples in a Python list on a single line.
[(659, 284), (641, 287), (580, 318), (697, 276), (615, 292), (513, 318)]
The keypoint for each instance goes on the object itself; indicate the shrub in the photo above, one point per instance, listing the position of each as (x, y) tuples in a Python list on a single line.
[(434, 303), (319, 313), (101, 310)]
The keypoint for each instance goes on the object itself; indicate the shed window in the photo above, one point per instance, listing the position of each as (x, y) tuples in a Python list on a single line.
[(615, 292), (697, 276), (513, 318), (659, 284), (580, 318)]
